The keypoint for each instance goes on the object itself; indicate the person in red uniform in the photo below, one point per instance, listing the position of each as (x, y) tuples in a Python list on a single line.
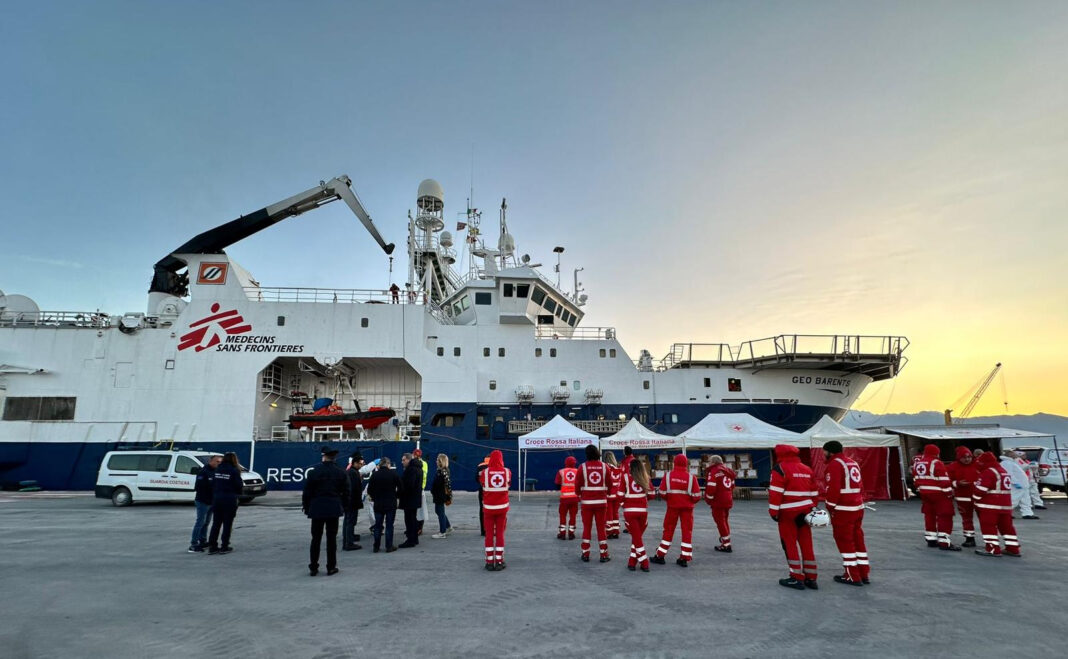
[(719, 493), (993, 503), (636, 495), (936, 492), (791, 496), (628, 457), (495, 481), (681, 491), (592, 485), (962, 476), (565, 480), (845, 503), (615, 495)]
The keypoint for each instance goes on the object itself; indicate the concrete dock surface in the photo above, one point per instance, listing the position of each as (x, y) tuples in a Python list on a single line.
[(81, 578)]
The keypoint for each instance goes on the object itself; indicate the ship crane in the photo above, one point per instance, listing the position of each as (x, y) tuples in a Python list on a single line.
[(975, 398), (166, 279)]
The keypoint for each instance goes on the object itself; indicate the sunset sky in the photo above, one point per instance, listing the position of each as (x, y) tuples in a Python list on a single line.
[(722, 171)]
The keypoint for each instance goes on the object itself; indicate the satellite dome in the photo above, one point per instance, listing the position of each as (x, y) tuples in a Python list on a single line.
[(431, 197), (445, 239)]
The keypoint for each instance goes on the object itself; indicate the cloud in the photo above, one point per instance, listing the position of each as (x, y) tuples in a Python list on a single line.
[(60, 263)]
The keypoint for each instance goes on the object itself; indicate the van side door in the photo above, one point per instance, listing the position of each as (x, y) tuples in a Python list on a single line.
[(155, 479), (185, 480)]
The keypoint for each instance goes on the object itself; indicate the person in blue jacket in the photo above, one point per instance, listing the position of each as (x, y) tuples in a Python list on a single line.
[(227, 487), (205, 492)]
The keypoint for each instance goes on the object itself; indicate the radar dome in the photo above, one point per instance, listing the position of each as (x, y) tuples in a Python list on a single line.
[(431, 197), (18, 308), (445, 239)]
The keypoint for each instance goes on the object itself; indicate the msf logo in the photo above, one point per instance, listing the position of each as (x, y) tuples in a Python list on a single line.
[(207, 332)]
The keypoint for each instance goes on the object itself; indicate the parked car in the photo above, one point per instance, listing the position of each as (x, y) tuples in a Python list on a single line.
[(1051, 471), (143, 476)]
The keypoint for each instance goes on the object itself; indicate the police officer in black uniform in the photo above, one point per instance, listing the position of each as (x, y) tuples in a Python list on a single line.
[(326, 488)]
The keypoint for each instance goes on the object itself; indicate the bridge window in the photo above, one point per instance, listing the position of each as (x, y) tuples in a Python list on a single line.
[(539, 296), (509, 290), (465, 302), (522, 290), (550, 305), (574, 319), (38, 408), (566, 316), (483, 298), (545, 319), (560, 311)]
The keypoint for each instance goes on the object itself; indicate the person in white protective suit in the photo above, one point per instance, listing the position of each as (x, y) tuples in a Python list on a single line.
[(1031, 469), (1021, 496)]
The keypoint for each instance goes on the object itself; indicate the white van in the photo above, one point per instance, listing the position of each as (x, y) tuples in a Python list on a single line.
[(128, 476), (1052, 470)]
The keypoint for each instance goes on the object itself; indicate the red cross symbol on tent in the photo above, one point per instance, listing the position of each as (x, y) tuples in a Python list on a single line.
[(737, 428)]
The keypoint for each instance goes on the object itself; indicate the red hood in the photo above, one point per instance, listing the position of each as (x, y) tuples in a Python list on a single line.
[(786, 453), (963, 451), (986, 460), (570, 461), (681, 462), (496, 460), (931, 451)]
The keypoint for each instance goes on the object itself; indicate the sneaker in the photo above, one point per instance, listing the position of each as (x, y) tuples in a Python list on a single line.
[(585, 558), (440, 536), (226, 550), (405, 545), (846, 580), (605, 558), (561, 536), (501, 565), (312, 571), (949, 547), (330, 571), (723, 548), (390, 549), (659, 560), (631, 568), (1040, 507), (792, 583), (490, 567), (968, 542), (213, 550), (195, 549), (682, 562), (811, 584)]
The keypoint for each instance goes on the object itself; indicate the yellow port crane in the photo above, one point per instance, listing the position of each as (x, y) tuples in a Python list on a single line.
[(975, 398)]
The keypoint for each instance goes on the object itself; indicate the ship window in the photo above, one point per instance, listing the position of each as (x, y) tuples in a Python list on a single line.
[(539, 296), (447, 420), (560, 311), (281, 321), (465, 302), (37, 408), (577, 384), (522, 290), (602, 352), (566, 316), (550, 305), (537, 352), (124, 462), (508, 290), (441, 351), (169, 364), (734, 384), (456, 310), (186, 465), (485, 352), (612, 353), (493, 385), (708, 382), (500, 352), (545, 319), (154, 463), (483, 298), (481, 419), (456, 351), (563, 383), (574, 319), (671, 418), (364, 322), (552, 352), (645, 384)]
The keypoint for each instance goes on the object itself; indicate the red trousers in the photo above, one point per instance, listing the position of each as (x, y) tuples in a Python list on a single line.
[(720, 516), (993, 522), (568, 509), (594, 514), (496, 521), (671, 518), (611, 519), (966, 508), (937, 518), (794, 534), (637, 523), (849, 536)]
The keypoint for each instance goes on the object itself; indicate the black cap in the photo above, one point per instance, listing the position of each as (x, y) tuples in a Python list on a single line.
[(327, 450), (833, 446), (356, 456)]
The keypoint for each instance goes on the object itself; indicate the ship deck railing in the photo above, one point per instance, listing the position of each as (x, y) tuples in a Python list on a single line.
[(580, 333), (879, 357), (595, 426), (57, 319), (329, 295)]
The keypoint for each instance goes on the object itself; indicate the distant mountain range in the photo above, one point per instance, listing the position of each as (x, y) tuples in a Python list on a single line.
[(1045, 423)]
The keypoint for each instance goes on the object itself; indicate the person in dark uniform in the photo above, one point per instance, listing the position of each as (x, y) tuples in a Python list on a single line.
[(226, 488), (478, 478), (326, 489), (353, 504), (383, 488), (411, 499), (204, 487)]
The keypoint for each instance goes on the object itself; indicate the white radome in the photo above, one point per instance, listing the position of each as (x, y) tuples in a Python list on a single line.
[(430, 189)]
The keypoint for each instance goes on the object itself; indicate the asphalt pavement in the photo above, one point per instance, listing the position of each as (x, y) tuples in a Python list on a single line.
[(81, 578)]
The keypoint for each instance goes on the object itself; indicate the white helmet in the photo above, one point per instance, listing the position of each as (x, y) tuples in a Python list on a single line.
[(818, 517)]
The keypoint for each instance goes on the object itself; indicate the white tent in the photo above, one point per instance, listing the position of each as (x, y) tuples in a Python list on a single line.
[(557, 434), (637, 436), (827, 429), (738, 431)]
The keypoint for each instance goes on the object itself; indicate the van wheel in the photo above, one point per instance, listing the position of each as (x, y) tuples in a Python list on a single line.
[(121, 497)]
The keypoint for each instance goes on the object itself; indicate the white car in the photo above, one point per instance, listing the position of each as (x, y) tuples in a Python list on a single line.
[(1051, 471), (128, 476)]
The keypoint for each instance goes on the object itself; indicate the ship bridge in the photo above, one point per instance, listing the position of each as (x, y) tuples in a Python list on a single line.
[(878, 357)]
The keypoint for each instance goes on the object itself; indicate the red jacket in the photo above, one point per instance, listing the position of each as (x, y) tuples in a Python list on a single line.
[(845, 490), (635, 497), (930, 475), (719, 486), (962, 477), (615, 482), (495, 481), (566, 478), (793, 486), (679, 487), (993, 490), (592, 483)]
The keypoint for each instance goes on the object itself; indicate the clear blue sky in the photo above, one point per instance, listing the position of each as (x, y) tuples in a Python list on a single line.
[(723, 171)]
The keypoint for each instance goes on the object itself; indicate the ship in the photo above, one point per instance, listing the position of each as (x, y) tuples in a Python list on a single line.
[(465, 360)]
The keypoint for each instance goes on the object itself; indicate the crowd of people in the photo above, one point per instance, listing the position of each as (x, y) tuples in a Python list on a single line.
[(600, 488)]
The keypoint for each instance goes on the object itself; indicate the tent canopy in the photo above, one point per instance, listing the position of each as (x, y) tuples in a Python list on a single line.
[(557, 434), (827, 429), (738, 431), (637, 436)]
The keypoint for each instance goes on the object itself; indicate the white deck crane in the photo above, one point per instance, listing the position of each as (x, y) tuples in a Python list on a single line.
[(975, 398)]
